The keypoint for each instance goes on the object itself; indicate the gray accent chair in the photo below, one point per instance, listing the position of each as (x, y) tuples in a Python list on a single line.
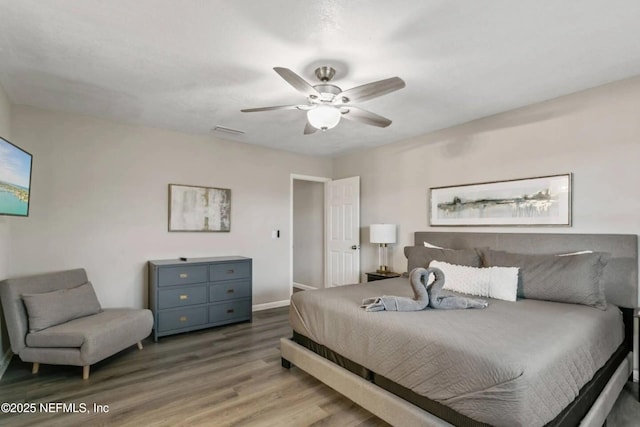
[(78, 342)]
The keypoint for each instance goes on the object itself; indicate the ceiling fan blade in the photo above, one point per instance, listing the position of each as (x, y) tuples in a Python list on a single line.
[(308, 129), (371, 90), (367, 117), (278, 107), (297, 82)]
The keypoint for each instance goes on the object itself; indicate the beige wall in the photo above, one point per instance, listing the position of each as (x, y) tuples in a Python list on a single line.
[(308, 233), (5, 114), (99, 201), (594, 134), (5, 131)]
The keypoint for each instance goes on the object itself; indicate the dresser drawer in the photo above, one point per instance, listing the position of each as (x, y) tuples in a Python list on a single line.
[(230, 270), (182, 275), (182, 296), (230, 310), (230, 290), (184, 318)]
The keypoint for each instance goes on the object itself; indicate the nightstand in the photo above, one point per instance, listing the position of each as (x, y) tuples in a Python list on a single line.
[(372, 277)]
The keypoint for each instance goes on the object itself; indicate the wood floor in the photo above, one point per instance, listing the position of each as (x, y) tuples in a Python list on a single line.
[(217, 377)]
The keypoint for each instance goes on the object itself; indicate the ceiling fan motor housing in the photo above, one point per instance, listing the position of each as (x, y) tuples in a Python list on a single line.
[(327, 92)]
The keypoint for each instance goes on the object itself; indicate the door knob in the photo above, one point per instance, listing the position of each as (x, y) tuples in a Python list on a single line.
[(354, 247)]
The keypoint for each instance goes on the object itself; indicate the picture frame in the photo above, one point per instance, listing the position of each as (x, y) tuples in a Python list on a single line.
[(15, 179), (199, 209), (537, 201)]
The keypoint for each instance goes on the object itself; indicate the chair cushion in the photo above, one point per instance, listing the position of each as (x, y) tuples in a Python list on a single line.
[(53, 308), (96, 328)]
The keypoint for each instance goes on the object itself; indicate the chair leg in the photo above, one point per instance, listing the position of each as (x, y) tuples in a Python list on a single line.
[(139, 345), (35, 368), (85, 372)]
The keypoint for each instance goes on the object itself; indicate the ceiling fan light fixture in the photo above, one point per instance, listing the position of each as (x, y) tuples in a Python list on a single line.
[(326, 102), (324, 117)]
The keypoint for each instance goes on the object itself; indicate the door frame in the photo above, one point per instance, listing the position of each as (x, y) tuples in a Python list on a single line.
[(298, 177)]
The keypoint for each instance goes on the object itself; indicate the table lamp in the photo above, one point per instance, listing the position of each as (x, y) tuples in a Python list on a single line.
[(382, 234)]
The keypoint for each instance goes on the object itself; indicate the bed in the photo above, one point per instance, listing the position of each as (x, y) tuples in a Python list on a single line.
[(529, 362)]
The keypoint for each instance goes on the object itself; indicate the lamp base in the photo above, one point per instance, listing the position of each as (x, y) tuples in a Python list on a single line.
[(383, 269)]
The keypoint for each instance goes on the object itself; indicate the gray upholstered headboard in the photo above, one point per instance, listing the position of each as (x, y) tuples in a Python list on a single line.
[(620, 275)]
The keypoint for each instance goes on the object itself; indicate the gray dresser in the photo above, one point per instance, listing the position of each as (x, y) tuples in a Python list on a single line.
[(199, 293)]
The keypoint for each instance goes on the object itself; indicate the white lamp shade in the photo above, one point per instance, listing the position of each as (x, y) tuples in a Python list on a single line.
[(382, 233), (324, 117)]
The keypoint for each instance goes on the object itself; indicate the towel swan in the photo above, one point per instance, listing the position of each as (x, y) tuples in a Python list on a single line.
[(438, 299), (425, 295)]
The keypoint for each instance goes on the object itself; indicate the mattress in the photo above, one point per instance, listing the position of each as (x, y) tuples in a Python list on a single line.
[(511, 364)]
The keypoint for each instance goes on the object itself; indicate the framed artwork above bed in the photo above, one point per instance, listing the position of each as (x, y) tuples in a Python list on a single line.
[(538, 201)]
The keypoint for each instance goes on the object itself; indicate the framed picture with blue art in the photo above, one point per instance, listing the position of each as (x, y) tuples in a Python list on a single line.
[(15, 179), (539, 201)]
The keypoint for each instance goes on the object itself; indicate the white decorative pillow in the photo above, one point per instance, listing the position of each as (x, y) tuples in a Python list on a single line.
[(429, 245), (576, 253), (492, 282)]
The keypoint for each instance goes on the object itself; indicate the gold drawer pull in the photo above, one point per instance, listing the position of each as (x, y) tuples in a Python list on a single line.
[(230, 291), (231, 310), (230, 271), (183, 318), (183, 275), (184, 297)]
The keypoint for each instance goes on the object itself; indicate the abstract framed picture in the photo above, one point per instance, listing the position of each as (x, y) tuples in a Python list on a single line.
[(539, 201), (194, 208)]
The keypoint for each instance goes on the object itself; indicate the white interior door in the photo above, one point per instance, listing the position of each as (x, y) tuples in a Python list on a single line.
[(342, 231)]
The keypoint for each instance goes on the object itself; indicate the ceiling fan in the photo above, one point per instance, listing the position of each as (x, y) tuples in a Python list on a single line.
[(327, 103)]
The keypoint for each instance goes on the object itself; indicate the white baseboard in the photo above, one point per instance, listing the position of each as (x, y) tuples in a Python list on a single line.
[(4, 362), (268, 305), (305, 287)]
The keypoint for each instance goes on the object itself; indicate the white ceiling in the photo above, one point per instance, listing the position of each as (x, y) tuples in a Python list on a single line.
[(192, 65)]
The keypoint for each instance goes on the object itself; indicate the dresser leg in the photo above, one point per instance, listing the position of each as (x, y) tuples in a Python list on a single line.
[(285, 363)]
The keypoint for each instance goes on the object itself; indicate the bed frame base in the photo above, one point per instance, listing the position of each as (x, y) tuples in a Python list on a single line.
[(397, 411), (381, 403)]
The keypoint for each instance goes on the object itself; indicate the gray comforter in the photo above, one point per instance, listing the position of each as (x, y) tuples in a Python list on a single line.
[(512, 364)]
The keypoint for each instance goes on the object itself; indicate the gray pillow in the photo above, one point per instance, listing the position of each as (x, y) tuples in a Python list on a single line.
[(419, 256), (53, 308), (572, 279)]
